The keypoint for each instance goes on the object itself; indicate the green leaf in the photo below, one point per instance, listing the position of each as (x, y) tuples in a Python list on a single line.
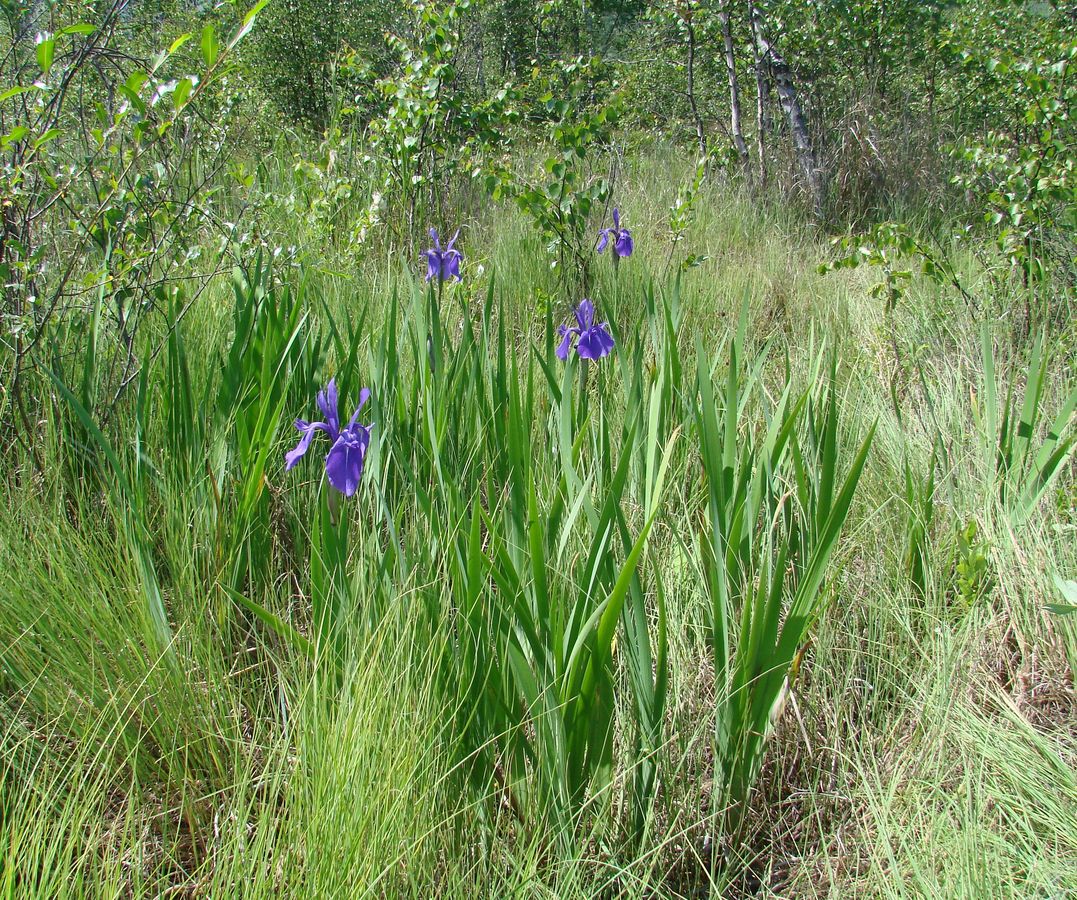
[(275, 623), (46, 50), (1060, 609), (179, 42), (182, 93), (248, 23), (210, 46), (610, 612), (15, 92), (49, 135), (16, 134), (82, 29), (1068, 590)]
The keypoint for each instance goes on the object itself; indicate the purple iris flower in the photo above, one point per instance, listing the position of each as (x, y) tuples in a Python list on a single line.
[(621, 237), (443, 264), (344, 463), (594, 341)]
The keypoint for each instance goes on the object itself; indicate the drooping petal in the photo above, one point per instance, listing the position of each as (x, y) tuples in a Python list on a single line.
[(307, 430), (594, 343), (603, 335), (450, 265), (623, 245), (327, 403), (603, 239), (585, 313), (433, 264), (586, 348), (566, 341), (296, 453), (344, 464)]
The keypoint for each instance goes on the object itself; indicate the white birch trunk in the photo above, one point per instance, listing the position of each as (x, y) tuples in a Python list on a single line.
[(735, 126), (701, 135), (762, 119), (775, 66)]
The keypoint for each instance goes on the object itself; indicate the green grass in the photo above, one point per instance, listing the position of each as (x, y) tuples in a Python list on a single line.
[(445, 735)]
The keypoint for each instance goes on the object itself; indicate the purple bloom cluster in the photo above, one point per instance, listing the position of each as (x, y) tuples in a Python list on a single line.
[(592, 341), (443, 264), (344, 463), (347, 453), (621, 237)]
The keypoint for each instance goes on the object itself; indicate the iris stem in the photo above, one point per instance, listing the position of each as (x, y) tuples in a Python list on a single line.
[(432, 315), (332, 499), (585, 366)]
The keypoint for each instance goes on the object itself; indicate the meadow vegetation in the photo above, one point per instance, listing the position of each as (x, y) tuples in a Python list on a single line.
[(753, 578)]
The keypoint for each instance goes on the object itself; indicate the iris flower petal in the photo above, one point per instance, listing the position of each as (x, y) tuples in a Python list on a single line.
[(344, 464), (586, 347), (585, 313), (296, 453), (603, 333), (443, 262), (433, 264), (328, 404), (364, 395), (450, 265), (566, 343), (307, 430), (621, 238), (594, 343)]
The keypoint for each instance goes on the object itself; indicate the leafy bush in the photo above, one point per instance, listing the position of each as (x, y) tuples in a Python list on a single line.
[(311, 57), (103, 191), (561, 199), (1026, 178)]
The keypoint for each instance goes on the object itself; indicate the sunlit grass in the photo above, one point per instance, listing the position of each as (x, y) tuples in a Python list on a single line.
[(441, 736)]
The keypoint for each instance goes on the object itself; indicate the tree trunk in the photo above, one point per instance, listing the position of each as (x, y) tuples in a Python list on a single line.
[(734, 89), (778, 71), (762, 119), (701, 135)]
